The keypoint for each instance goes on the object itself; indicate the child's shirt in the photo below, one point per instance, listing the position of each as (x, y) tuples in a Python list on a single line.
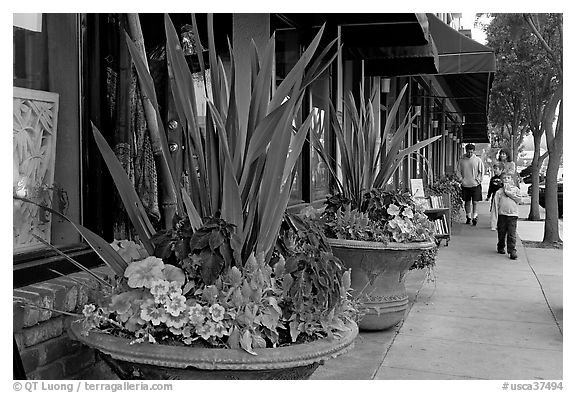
[(505, 204), (495, 184)]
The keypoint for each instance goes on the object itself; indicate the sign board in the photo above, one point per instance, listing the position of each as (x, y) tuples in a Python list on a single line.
[(417, 188)]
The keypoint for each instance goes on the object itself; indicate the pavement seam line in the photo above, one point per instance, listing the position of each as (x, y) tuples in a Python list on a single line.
[(373, 376), (435, 372), (542, 290), (484, 343)]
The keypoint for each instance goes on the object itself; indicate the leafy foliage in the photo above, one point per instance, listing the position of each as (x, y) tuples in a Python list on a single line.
[(383, 216), (426, 260), (451, 186), (368, 159), (301, 296)]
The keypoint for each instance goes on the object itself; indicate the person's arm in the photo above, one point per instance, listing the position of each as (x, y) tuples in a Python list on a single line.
[(480, 173), (458, 172), (513, 193), (491, 190)]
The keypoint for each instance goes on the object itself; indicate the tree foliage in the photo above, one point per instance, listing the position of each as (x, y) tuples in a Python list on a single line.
[(528, 82)]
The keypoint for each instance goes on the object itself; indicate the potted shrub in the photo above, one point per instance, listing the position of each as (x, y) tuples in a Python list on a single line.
[(235, 287), (379, 234)]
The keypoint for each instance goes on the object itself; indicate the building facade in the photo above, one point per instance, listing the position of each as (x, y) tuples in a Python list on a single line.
[(74, 70)]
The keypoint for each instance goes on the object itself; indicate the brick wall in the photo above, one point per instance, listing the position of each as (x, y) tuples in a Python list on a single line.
[(41, 335)]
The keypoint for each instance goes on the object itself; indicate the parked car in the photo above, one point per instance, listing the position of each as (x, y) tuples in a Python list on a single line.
[(526, 175), (542, 196)]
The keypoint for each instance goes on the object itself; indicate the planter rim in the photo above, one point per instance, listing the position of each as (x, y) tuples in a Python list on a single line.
[(381, 246), (217, 358)]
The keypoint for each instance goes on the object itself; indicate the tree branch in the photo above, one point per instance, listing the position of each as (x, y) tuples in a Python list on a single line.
[(549, 51)]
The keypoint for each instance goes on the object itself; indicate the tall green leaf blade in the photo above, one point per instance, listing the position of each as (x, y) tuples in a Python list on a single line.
[(213, 167), (182, 87), (263, 134), (231, 197), (148, 92), (296, 144), (235, 139), (261, 92), (73, 261), (193, 216), (130, 198), (320, 64), (295, 73), (391, 116), (271, 224)]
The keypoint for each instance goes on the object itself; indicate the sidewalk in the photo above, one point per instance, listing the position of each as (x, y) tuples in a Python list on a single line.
[(484, 317)]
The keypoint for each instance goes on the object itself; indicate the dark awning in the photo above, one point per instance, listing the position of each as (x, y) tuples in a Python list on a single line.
[(466, 70), (389, 44)]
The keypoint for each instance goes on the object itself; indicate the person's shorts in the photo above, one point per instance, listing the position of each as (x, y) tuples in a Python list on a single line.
[(472, 193)]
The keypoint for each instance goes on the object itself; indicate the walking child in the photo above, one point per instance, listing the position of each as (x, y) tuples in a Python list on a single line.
[(495, 181), (505, 215)]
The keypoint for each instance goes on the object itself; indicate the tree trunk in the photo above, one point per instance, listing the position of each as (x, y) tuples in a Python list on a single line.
[(167, 193), (534, 214), (555, 145)]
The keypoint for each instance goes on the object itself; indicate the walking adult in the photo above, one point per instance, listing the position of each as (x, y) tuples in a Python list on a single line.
[(509, 166), (470, 171)]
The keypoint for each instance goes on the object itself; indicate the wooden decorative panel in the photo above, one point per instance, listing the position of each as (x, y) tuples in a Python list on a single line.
[(34, 149)]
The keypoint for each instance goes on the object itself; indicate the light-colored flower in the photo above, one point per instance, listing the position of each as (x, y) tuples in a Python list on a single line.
[(150, 312), (88, 310), (196, 314), (207, 330), (217, 312), (174, 273), (393, 210), (159, 287), (176, 305), (121, 303), (408, 213), (177, 321), (216, 330), (175, 289), (143, 273), (129, 250)]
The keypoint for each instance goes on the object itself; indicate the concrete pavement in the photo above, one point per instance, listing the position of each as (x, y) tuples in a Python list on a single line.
[(484, 317)]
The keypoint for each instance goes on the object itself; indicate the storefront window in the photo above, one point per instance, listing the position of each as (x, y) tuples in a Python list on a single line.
[(46, 124)]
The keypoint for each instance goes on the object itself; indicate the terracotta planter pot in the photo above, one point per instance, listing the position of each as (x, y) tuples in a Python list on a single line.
[(156, 361), (378, 276)]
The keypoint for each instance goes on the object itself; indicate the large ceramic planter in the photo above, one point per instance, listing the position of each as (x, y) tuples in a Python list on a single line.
[(156, 361), (378, 276)]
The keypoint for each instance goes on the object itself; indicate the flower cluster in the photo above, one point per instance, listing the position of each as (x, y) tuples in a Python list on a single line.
[(408, 224), (249, 306), (383, 216)]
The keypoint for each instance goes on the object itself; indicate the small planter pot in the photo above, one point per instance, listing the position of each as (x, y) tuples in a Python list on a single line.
[(157, 361), (378, 277)]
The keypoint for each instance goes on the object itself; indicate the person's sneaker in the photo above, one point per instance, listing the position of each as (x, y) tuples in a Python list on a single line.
[(513, 255), (475, 221), (501, 252), (468, 219)]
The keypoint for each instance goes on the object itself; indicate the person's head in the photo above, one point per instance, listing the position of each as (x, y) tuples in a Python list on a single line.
[(505, 155), (470, 149), (506, 178), (498, 168)]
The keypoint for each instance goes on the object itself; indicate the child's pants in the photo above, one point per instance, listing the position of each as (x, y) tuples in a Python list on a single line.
[(507, 232)]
